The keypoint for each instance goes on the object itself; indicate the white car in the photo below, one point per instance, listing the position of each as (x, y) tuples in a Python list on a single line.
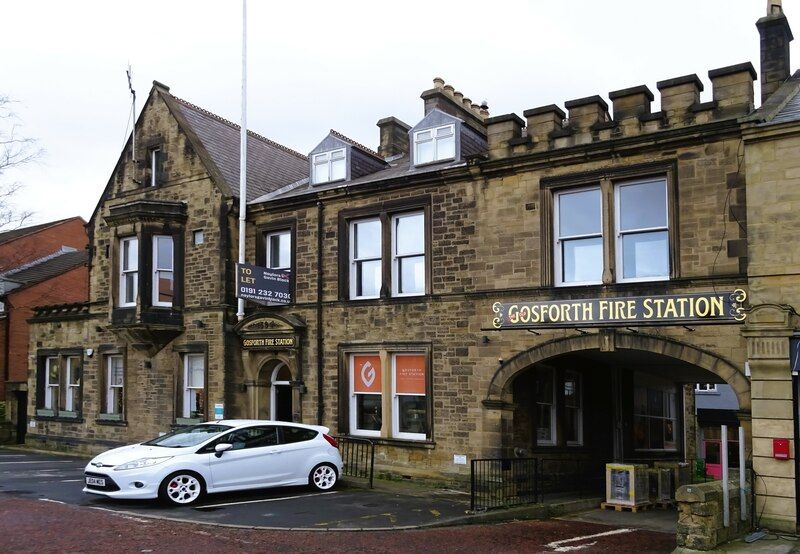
[(229, 455)]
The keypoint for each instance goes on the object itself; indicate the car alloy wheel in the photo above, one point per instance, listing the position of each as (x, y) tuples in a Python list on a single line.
[(182, 488), (323, 477)]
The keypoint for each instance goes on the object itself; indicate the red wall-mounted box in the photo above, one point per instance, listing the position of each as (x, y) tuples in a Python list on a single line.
[(780, 449)]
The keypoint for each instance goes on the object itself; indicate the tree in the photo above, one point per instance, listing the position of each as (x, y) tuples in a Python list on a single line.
[(15, 151)]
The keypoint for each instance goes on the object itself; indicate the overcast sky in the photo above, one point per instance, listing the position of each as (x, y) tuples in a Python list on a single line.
[(313, 66)]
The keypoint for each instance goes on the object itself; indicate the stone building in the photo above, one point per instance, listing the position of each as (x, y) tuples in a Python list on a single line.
[(480, 286)]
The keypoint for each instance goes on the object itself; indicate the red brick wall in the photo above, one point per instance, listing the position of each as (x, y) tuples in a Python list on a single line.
[(68, 287), (70, 232)]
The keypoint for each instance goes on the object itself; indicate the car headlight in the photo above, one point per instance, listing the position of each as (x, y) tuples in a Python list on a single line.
[(142, 462)]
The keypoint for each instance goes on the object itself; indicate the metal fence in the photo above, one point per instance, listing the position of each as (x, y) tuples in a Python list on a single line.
[(358, 456), (504, 482)]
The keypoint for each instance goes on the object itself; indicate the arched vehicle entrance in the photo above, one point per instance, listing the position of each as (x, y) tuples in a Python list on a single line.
[(578, 403)]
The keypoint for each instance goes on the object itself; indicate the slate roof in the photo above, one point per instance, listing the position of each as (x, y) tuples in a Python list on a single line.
[(269, 165), (358, 145), (47, 268), (397, 169), (783, 106)]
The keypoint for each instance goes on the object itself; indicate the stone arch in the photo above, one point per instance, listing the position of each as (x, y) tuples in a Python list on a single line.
[(499, 390)]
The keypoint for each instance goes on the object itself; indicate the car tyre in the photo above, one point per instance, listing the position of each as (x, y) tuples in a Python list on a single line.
[(182, 488), (323, 477)]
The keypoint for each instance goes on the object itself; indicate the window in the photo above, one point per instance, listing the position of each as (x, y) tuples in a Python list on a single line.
[(545, 407), (642, 237), (291, 435), (194, 379), (115, 386), (198, 237), (365, 395), (73, 383), (655, 420), (163, 267), (279, 250), (129, 271), (155, 166), (365, 258), (641, 233), (329, 166), (52, 379), (573, 408), (408, 254), (251, 437), (705, 387), (409, 402), (433, 145)]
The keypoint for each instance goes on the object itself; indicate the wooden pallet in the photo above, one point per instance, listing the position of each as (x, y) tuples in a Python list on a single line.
[(623, 507), (665, 504)]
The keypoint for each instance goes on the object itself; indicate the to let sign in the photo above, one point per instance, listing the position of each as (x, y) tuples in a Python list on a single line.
[(712, 307), (263, 285)]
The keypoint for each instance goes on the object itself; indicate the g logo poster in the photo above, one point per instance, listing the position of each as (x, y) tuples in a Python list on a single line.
[(367, 374)]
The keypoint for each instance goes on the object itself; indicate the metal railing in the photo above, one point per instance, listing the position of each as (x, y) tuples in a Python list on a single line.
[(504, 482), (358, 456)]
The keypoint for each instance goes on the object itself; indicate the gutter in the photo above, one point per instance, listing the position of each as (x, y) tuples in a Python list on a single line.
[(320, 354)]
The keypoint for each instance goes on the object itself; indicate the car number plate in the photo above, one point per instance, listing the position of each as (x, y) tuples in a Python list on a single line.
[(97, 481)]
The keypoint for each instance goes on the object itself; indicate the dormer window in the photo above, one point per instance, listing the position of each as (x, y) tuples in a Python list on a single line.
[(433, 145), (329, 166)]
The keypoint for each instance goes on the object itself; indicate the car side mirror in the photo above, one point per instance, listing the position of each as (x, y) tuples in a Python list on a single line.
[(222, 447)]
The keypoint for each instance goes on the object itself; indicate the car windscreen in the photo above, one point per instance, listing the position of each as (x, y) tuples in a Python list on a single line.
[(188, 436)]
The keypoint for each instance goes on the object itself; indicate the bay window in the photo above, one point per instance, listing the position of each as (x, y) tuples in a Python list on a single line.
[(408, 254), (163, 270), (129, 271), (329, 166), (115, 387), (432, 145), (365, 258)]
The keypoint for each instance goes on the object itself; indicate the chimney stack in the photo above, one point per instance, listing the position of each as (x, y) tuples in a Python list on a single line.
[(394, 137), (775, 38)]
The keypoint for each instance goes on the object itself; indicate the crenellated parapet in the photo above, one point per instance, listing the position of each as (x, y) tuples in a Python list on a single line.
[(588, 120)]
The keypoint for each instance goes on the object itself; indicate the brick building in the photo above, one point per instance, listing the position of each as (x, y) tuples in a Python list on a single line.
[(478, 287), (40, 264)]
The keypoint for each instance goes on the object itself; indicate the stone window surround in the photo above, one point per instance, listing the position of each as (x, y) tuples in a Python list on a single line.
[(288, 224), (384, 211), (42, 354), (180, 352), (607, 179), (104, 352), (385, 350)]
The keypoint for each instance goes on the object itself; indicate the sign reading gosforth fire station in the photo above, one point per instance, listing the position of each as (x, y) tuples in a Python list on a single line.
[(711, 307), (263, 285)]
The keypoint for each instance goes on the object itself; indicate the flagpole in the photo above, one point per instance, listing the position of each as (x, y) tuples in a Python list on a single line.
[(243, 154)]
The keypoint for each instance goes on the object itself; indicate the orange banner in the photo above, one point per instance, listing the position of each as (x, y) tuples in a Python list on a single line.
[(367, 374), (410, 374)]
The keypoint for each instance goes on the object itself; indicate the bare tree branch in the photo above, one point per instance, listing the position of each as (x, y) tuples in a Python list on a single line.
[(16, 150)]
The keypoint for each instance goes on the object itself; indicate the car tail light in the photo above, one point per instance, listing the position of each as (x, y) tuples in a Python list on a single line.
[(331, 440)]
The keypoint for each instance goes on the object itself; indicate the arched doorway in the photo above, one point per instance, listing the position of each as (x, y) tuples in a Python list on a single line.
[(281, 393)]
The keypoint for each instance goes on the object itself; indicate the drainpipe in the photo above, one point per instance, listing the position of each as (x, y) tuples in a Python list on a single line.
[(320, 407)]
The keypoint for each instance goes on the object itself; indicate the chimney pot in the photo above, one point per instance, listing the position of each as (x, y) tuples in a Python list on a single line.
[(449, 89), (438, 82), (458, 96)]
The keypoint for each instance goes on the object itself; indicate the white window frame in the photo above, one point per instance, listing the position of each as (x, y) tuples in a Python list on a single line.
[(157, 270), (675, 408), (187, 390), (326, 158), (355, 261), (619, 234), (553, 413), (51, 390), (396, 259), (198, 237), (579, 381), (435, 140), (131, 270), (154, 153), (396, 400), (354, 430), (558, 253), (111, 407), (705, 388), (273, 412), (268, 248), (70, 399)]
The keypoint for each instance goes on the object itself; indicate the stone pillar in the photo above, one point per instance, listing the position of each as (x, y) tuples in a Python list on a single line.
[(768, 329)]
